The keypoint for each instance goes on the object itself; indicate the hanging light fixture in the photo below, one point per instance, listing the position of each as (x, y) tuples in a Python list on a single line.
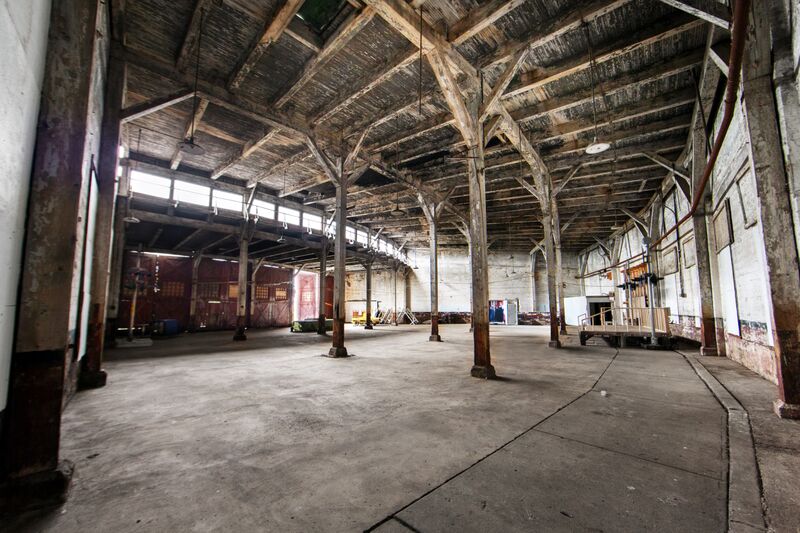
[(188, 146), (397, 212), (596, 147)]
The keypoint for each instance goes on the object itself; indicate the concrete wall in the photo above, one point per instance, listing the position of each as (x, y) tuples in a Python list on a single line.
[(23, 43), (509, 278)]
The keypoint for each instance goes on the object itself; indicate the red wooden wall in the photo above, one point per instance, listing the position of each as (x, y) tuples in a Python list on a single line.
[(168, 292)]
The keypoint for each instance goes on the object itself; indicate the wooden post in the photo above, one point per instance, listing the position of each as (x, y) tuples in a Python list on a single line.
[(394, 294), (368, 320), (91, 374), (775, 211), (115, 269), (323, 267), (241, 307), (193, 325), (550, 260), (482, 367), (43, 366), (340, 257), (559, 266), (432, 223), (708, 327), (431, 211), (407, 286)]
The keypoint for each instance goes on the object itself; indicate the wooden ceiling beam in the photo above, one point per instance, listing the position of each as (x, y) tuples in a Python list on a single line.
[(481, 18), (246, 151), (384, 72), (272, 32), (343, 34), (213, 92), (154, 105), (192, 122), (620, 47), (629, 81), (571, 19), (707, 10), (191, 37)]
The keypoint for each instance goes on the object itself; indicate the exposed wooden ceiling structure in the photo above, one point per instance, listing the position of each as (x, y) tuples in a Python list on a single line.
[(267, 78)]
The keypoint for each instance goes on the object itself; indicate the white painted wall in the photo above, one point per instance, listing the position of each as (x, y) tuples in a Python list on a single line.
[(23, 43), (509, 278)]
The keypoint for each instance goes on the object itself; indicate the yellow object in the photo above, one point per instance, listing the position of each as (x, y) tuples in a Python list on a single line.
[(359, 319)]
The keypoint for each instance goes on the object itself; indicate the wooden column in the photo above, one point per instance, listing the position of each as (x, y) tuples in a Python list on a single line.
[(91, 373), (241, 307), (368, 269), (559, 266), (434, 249), (42, 365), (323, 267), (407, 286), (775, 211), (432, 211), (551, 263), (708, 333), (193, 322), (394, 293), (340, 257), (482, 367)]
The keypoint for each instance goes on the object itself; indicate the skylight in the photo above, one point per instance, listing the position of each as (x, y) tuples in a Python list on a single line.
[(319, 14)]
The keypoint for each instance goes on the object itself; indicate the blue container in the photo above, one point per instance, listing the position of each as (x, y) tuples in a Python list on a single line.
[(170, 326)]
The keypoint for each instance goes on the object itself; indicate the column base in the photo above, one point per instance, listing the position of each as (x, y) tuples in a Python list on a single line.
[(483, 372), (435, 338), (36, 491), (787, 410), (368, 326), (554, 344), (709, 352), (335, 352), (240, 335), (91, 380)]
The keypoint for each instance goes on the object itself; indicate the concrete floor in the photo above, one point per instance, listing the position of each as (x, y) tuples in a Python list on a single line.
[(203, 434), (777, 442)]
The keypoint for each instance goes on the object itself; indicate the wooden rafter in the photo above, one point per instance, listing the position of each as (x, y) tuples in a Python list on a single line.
[(192, 122), (349, 29), (246, 151), (707, 10), (272, 32)]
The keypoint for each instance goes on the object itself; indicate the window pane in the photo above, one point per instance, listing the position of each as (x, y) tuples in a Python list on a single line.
[(332, 230), (312, 221), (150, 185), (227, 200), (350, 233), (191, 193), (262, 209), (361, 237), (290, 216)]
